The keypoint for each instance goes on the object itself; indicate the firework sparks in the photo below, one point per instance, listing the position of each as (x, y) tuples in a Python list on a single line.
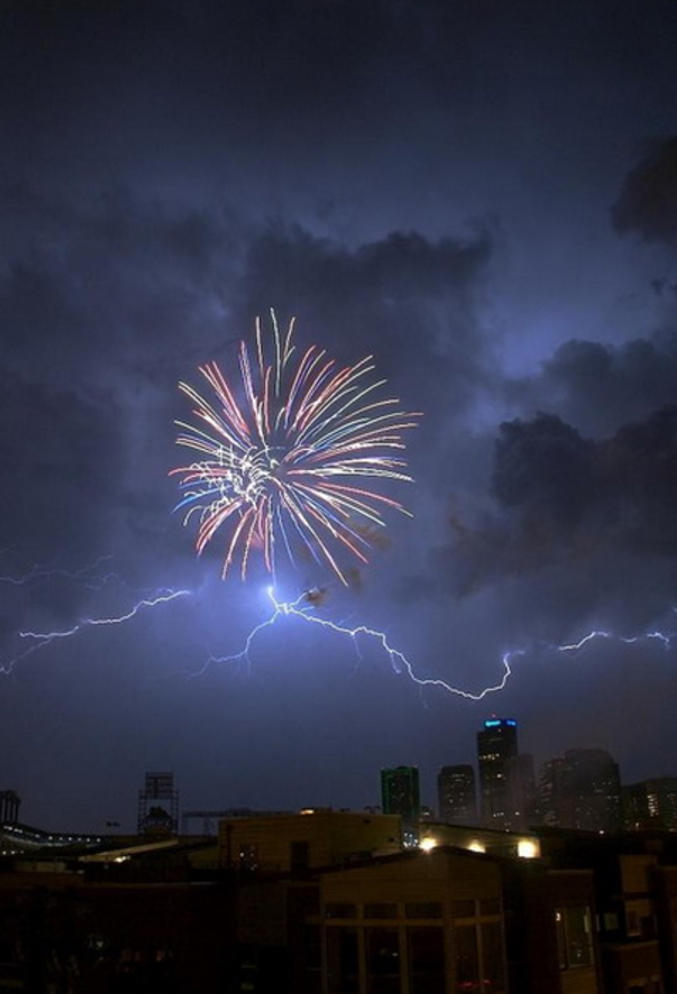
[(294, 462)]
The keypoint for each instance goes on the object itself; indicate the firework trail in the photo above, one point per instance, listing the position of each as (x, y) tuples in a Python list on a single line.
[(294, 463)]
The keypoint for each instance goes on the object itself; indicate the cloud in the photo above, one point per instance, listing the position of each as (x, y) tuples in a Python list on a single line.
[(61, 460), (647, 204), (578, 524), (600, 387), (416, 302)]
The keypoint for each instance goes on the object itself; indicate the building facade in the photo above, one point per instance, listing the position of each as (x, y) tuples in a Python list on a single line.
[(456, 795), (400, 795), (496, 751), (581, 790), (414, 924), (651, 804)]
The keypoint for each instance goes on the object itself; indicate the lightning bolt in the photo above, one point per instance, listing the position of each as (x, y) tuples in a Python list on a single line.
[(398, 660), (301, 609), (599, 634), (40, 640), (87, 575)]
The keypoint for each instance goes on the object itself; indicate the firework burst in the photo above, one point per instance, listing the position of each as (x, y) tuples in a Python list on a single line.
[(293, 460)]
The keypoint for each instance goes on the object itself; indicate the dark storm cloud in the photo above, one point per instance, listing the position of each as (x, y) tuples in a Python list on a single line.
[(647, 204), (415, 301), (113, 277), (106, 278), (564, 500), (60, 457), (600, 386)]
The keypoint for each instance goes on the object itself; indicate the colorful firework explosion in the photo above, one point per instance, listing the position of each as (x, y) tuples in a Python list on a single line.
[(277, 467)]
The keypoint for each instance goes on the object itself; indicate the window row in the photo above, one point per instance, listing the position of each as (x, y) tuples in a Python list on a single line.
[(375, 960), (413, 909)]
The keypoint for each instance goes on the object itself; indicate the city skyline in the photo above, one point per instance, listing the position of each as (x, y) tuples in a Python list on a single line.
[(483, 198), (560, 791)]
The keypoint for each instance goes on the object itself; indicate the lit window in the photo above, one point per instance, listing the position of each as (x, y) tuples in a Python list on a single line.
[(527, 849), (574, 937)]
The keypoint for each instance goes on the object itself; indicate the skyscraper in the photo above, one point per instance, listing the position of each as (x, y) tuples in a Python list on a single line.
[(555, 804), (582, 790), (496, 749), (400, 796), (456, 795), (522, 792)]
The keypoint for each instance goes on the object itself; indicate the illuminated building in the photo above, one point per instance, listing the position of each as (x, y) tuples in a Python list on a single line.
[(496, 748), (314, 837), (456, 795), (651, 803), (400, 796)]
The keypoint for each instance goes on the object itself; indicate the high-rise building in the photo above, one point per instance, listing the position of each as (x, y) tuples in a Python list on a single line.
[(496, 749), (582, 790), (522, 792), (400, 796), (456, 795), (596, 787), (651, 804), (555, 803)]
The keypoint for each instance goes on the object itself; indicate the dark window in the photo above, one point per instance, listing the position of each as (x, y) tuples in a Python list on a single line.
[(422, 909), (383, 961), (299, 856), (490, 906), (312, 947), (467, 959), (340, 911), (492, 957), (426, 960), (343, 973), (380, 911), (462, 909)]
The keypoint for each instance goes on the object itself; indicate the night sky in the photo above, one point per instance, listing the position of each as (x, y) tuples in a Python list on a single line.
[(483, 195)]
